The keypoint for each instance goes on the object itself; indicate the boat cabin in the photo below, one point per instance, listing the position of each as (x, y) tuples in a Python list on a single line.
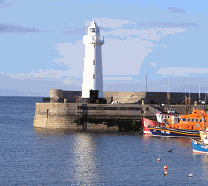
[(171, 111), (205, 138), (167, 118), (197, 120)]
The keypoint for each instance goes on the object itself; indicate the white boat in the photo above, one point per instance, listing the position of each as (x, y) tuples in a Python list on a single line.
[(200, 146), (168, 117)]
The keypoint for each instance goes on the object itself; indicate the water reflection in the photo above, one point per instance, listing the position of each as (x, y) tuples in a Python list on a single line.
[(203, 162), (147, 136), (49, 132), (162, 146), (77, 153), (85, 159)]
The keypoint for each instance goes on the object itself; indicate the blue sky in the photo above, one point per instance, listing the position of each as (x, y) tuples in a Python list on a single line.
[(41, 44)]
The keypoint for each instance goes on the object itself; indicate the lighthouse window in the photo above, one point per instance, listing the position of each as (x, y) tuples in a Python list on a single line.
[(93, 76), (93, 62), (92, 29)]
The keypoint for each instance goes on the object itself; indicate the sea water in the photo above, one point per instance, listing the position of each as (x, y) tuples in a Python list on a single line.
[(31, 156)]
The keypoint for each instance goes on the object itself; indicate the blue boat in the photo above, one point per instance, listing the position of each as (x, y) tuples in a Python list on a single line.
[(199, 147), (168, 132)]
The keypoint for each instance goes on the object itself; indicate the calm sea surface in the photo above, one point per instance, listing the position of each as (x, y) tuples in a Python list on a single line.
[(29, 156)]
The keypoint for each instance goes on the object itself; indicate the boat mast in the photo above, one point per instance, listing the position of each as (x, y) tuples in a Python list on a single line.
[(185, 91), (203, 122), (168, 94), (189, 103), (206, 101), (189, 94), (199, 91)]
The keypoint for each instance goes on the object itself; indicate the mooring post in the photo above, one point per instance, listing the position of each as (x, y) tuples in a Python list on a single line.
[(47, 112), (84, 115), (85, 126)]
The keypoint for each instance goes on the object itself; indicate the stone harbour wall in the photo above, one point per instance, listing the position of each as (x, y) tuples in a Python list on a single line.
[(69, 115), (55, 115)]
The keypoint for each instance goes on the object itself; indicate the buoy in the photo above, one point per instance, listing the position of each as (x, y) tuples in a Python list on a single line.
[(165, 167), (158, 159), (165, 173), (190, 175)]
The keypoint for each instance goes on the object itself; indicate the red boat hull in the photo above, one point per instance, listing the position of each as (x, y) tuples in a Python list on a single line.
[(149, 123)]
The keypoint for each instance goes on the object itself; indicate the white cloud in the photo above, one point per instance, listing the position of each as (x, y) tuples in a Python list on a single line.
[(125, 57), (40, 74), (153, 64), (67, 81), (37, 83), (181, 71), (152, 33), (47, 75), (107, 22), (72, 57), (149, 34), (117, 79), (119, 57)]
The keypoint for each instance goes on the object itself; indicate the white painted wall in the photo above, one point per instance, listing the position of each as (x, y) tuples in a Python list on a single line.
[(92, 74)]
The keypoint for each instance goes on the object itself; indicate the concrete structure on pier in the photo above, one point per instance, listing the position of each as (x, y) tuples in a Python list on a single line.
[(130, 97)]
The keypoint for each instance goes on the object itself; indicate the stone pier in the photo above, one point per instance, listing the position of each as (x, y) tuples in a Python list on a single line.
[(73, 115)]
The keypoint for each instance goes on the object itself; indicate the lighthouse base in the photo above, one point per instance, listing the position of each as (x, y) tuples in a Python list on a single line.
[(98, 100)]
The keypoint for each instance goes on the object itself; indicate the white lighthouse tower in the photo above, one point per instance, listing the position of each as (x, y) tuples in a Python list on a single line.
[(92, 74)]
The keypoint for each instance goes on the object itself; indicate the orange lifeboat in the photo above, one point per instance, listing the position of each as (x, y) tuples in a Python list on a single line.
[(197, 120)]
